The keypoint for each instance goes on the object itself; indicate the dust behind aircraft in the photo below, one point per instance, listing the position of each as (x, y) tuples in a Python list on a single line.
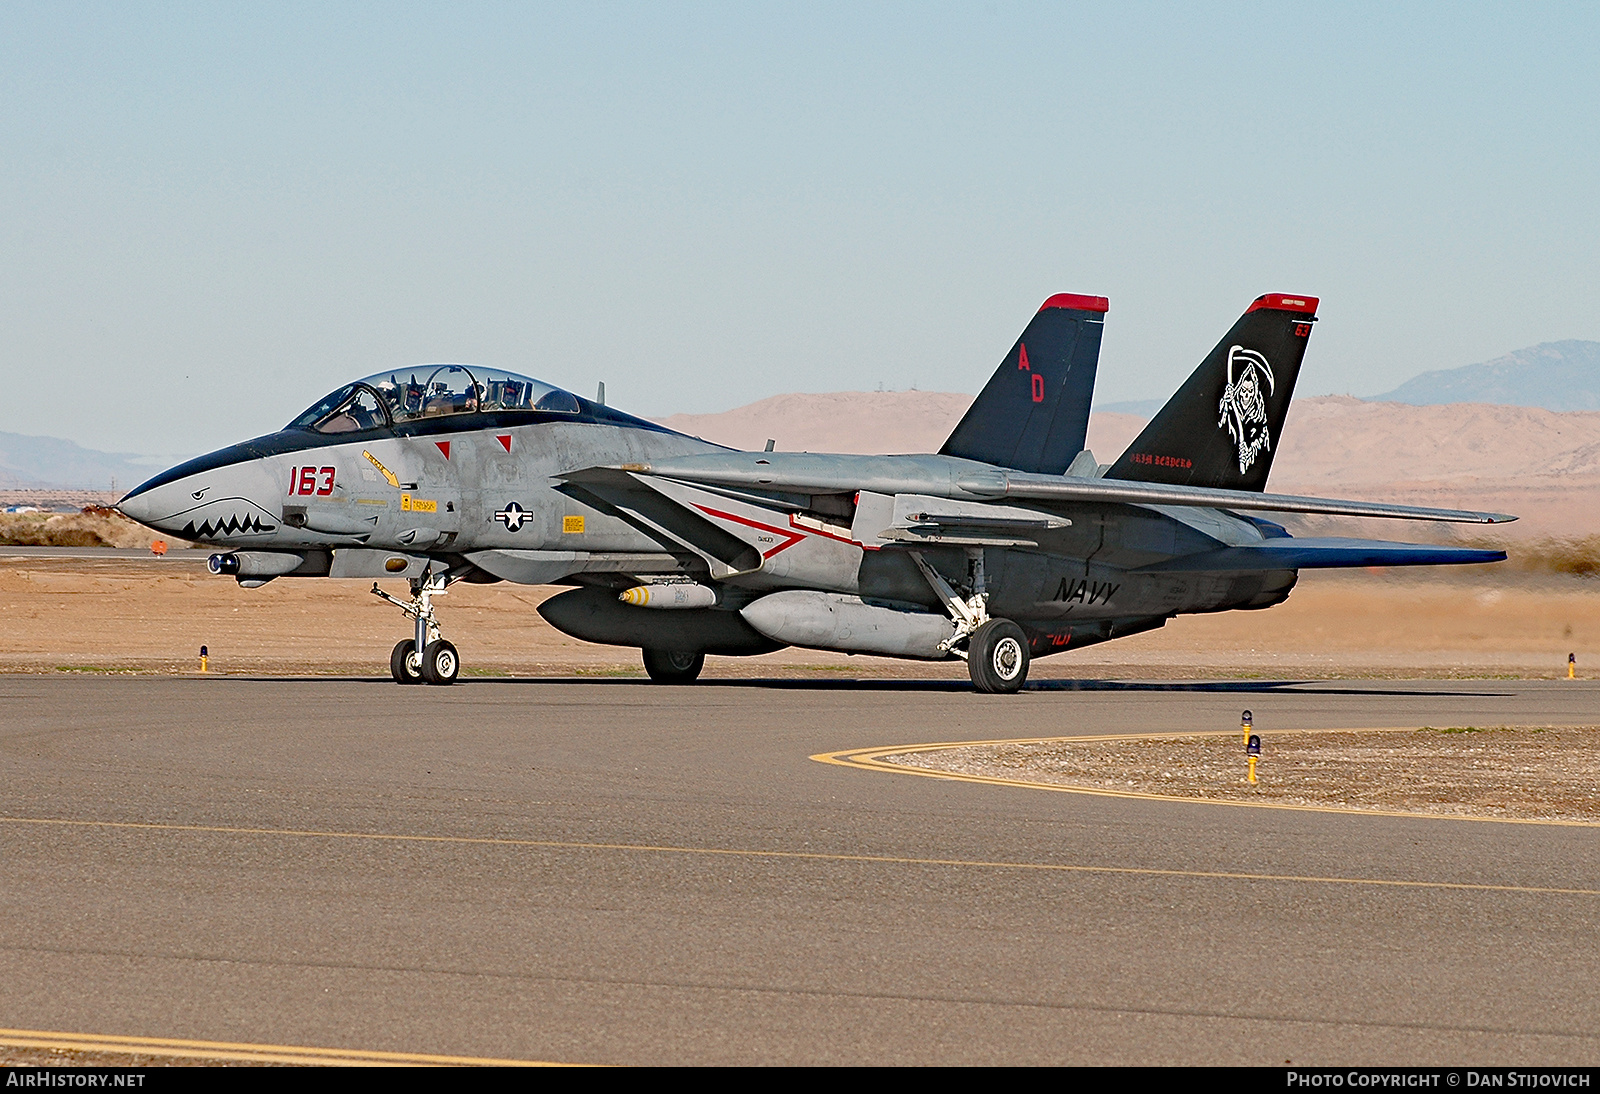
[(1010, 543)]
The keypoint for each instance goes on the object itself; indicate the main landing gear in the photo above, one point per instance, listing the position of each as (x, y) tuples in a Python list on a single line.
[(997, 656), (997, 653), (438, 662), (673, 666)]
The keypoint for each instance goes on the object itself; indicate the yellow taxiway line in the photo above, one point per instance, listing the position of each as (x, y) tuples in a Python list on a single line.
[(245, 1052), (871, 759), (792, 856)]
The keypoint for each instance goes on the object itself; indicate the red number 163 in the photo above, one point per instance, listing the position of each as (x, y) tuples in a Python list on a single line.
[(304, 480)]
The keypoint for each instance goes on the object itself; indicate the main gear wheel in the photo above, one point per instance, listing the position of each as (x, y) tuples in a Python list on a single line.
[(997, 657), (673, 666)]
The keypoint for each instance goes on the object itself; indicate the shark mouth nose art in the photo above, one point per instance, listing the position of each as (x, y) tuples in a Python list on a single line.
[(208, 520)]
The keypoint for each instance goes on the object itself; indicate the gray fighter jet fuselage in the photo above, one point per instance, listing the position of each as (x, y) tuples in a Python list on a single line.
[(1010, 543)]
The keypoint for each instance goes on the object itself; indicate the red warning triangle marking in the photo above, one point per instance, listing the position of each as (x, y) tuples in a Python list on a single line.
[(1022, 358), (504, 439), (444, 446)]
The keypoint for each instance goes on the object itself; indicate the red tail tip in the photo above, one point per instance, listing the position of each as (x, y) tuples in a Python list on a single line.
[(1278, 301), (1080, 303)]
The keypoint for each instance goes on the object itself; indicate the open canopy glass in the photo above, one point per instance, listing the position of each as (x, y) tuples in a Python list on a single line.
[(430, 391)]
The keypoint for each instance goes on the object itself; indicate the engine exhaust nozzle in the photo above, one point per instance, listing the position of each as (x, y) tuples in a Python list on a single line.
[(267, 564)]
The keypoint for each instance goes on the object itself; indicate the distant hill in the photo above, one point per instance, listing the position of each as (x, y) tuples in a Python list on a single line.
[(838, 421), (865, 423), (27, 462), (1540, 464), (1327, 441), (1552, 375), (1144, 408)]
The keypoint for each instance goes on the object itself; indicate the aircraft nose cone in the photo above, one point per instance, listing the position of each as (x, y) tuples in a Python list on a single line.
[(154, 506), (166, 503), (136, 506), (204, 503)]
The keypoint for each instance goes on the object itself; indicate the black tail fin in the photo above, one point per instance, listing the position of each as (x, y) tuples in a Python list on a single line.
[(1033, 413), (1222, 426)]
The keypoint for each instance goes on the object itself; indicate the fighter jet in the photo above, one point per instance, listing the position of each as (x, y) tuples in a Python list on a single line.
[(1011, 542)]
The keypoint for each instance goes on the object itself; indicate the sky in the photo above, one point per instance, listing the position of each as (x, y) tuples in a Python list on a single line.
[(212, 214)]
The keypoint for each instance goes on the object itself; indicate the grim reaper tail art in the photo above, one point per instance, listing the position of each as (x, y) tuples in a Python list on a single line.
[(1243, 409), (1225, 424)]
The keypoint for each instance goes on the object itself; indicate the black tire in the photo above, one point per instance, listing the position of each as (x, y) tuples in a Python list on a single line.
[(673, 666), (440, 663), (403, 663), (997, 657)]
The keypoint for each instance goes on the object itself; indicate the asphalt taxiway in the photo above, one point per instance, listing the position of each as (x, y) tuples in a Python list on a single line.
[(615, 872)]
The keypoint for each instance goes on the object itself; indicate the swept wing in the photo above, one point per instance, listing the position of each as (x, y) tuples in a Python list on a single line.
[(941, 476)]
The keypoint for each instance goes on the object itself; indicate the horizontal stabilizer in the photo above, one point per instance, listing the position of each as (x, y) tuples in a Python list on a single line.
[(1050, 488), (1323, 553)]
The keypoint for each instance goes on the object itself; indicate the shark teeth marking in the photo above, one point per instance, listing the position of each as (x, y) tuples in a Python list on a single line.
[(233, 525)]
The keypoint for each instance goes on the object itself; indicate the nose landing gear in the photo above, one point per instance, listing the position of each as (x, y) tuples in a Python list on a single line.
[(425, 658)]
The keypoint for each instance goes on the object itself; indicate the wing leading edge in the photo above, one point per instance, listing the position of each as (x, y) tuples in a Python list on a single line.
[(948, 477)]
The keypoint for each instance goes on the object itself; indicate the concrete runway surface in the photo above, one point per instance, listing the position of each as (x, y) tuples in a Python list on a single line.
[(614, 872)]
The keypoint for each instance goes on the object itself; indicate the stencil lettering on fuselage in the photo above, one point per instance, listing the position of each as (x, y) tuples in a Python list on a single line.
[(1085, 592)]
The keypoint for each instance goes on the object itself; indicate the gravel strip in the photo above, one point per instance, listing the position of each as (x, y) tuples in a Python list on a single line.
[(1508, 772)]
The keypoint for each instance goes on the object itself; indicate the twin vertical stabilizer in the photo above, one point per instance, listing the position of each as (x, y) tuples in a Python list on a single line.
[(1220, 430), (1223, 426), (1033, 414)]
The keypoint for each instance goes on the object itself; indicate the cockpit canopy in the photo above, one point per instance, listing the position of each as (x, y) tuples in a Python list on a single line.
[(430, 391)]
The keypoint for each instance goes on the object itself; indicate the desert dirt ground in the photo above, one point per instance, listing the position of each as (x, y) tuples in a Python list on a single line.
[(142, 614), (1504, 772), (13, 1056)]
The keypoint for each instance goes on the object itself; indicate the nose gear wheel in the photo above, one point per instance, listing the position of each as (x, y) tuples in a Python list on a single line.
[(404, 664), (438, 662)]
